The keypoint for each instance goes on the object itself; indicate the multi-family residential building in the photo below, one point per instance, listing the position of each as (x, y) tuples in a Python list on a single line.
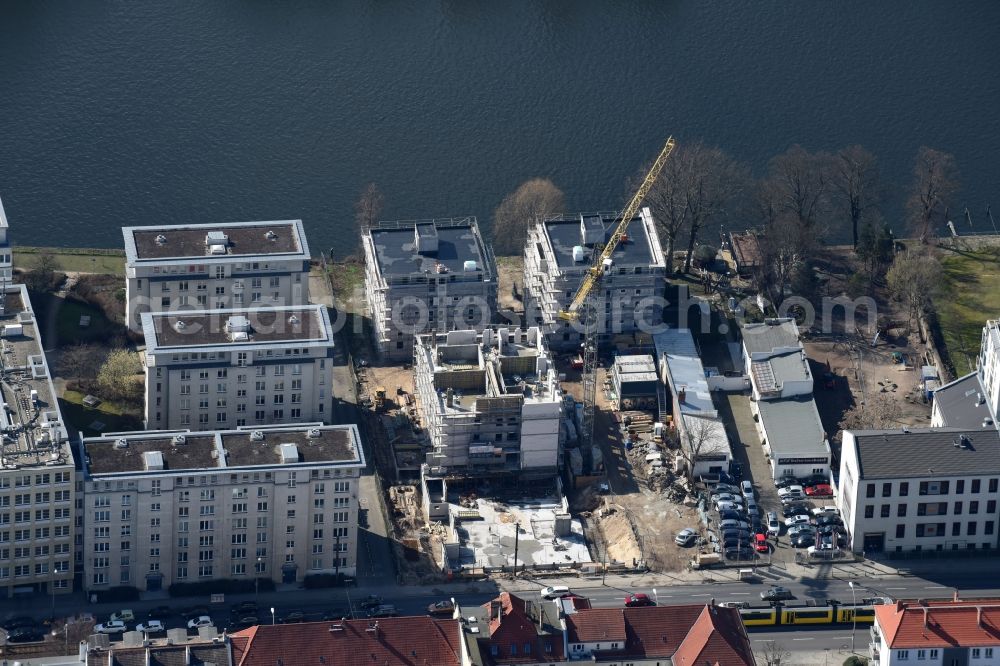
[(936, 633), (922, 489), (973, 401), (781, 399), (231, 368), (427, 275), (699, 430), (490, 403), (6, 256), (37, 489), (557, 256), (163, 507), (213, 266)]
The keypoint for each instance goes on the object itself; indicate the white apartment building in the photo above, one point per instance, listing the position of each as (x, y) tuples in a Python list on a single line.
[(936, 633), (490, 403), (973, 401), (214, 266), (775, 360), (557, 256), (37, 490), (425, 276), (277, 502), (932, 489), (6, 256), (233, 368)]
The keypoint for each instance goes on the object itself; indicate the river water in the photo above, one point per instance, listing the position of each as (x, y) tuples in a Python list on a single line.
[(164, 111)]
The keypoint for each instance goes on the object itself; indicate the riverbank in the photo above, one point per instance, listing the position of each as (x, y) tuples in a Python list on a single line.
[(74, 260)]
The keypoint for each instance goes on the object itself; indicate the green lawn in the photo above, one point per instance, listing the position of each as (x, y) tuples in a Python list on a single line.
[(970, 297), (75, 260), (113, 416), (68, 323)]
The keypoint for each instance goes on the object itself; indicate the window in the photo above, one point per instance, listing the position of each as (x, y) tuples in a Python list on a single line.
[(956, 529), (989, 652), (959, 489), (976, 653), (901, 511), (958, 509), (904, 489), (930, 529), (886, 509), (975, 485), (886, 490), (902, 654), (991, 506), (870, 490), (932, 509), (870, 511), (993, 485), (988, 527), (900, 531), (973, 507), (921, 654), (971, 531)]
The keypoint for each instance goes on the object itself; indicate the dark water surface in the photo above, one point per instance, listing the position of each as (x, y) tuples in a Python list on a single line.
[(148, 111)]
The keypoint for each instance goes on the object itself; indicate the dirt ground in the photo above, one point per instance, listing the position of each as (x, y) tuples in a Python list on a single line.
[(511, 282)]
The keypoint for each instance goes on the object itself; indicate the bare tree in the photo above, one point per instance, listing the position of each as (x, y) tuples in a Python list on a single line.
[(81, 360), (800, 184), (773, 653), (532, 201), (41, 277), (879, 412), (667, 201), (856, 185), (368, 206), (935, 181), (785, 244), (700, 437), (914, 279), (716, 182), (875, 248)]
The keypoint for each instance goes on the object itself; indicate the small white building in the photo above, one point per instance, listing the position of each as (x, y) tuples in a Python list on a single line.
[(936, 633), (212, 266), (775, 359), (930, 489)]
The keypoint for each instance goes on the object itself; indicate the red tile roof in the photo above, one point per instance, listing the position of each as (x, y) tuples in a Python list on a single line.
[(940, 624), (717, 637), (514, 628), (691, 630), (398, 641)]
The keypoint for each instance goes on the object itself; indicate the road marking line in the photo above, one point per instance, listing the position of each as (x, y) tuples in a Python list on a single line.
[(895, 588), (936, 587), (701, 595), (741, 594), (802, 639)]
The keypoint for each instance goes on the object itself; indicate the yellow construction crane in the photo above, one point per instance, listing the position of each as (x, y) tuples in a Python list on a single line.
[(602, 262)]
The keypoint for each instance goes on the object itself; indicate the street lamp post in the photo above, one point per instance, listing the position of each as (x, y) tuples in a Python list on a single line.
[(272, 615), (256, 582), (854, 613), (656, 599)]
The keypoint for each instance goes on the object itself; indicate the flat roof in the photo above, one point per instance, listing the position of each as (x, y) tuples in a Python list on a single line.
[(564, 234), (772, 334), (928, 452), (635, 363), (458, 241), (336, 445), (676, 348), (959, 405), (315, 444), (793, 427), (267, 326), (195, 453), (185, 241)]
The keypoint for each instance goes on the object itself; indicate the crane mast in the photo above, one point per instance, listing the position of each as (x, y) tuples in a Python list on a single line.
[(596, 270)]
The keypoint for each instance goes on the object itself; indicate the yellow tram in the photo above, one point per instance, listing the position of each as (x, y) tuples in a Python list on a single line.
[(783, 615)]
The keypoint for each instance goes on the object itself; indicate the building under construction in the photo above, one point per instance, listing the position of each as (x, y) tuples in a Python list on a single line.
[(490, 404), (423, 276), (559, 253)]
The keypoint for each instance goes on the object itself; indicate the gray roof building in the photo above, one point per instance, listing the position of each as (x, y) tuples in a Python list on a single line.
[(930, 452), (771, 336), (962, 404)]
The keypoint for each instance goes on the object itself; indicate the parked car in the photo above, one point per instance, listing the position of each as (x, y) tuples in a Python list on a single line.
[(829, 520), (160, 611), (795, 488), (27, 635), (243, 622), (245, 608), (791, 499), (728, 506), (746, 487), (194, 611), (123, 615), (760, 543), (786, 481), (776, 593), (813, 480), (150, 626), (802, 528), (445, 607), (727, 497), (371, 601), (293, 617), (638, 599), (724, 488), (819, 490), (827, 510), (739, 524), (773, 526), (200, 621), (795, 509), (737, 542), (736, 533), (797, 520), (803, 541), (19, 622), (337, 614), (734, 604), (740, 554), (686, 537), (731, 515), (554, 591), (110, 627)]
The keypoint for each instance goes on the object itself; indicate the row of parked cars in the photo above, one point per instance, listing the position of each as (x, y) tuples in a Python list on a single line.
[(741, 530), (23, 629)]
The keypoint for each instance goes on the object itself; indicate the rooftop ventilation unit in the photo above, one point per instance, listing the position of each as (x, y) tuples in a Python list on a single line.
[(238, 327), (470, 266), (426, 238), (289, 454), (271, 236), (578, 254), (121, 443), (313, 433), (591, 229), (179, 326), (293, 320), (161, 239), (153, 461), (257, 436), (178, 440)]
